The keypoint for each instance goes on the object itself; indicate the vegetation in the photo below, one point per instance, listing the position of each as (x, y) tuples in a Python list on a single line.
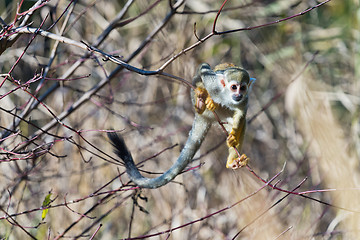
[(73, 70)]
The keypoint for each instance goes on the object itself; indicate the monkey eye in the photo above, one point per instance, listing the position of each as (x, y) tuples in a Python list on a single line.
[(243, 87), (233, 87)]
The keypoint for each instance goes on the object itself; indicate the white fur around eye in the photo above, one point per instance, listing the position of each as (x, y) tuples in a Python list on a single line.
[(233, 87)]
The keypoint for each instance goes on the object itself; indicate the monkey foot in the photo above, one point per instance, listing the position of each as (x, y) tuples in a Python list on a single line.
[(199, 106), (210, 104), (231, 139), (200, 95), (237, 162)]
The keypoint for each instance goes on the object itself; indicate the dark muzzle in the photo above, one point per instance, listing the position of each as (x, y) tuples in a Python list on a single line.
[(237, 97)]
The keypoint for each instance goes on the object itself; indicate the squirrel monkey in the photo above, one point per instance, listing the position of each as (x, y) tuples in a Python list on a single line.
[(223, 90)]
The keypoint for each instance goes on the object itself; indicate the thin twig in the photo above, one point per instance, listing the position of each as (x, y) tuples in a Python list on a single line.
[(210, 215)]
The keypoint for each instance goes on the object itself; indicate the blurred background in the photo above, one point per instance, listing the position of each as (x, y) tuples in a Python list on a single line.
[(57, 99)]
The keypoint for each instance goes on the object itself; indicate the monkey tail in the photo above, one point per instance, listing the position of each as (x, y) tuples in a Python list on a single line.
[(196, 137)]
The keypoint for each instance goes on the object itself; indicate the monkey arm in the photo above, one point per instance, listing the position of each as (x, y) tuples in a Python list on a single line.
[(235, 139), (238, 129)]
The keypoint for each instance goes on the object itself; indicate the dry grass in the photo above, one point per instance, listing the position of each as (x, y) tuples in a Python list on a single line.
[(311, 122)]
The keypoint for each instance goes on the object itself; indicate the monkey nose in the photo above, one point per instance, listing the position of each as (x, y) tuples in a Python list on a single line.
[(237, 97)]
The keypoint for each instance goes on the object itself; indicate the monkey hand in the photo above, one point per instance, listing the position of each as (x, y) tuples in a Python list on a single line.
[(236, 163), (200, 98), (210, 104), (232, 140)]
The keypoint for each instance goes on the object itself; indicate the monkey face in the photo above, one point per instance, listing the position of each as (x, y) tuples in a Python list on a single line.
[(227, 85), (237, 90), (235, 82)]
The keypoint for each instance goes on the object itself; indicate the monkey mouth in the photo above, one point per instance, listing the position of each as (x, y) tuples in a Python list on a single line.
[(237, 97)]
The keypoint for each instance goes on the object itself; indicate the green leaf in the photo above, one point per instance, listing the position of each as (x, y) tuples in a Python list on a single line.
[(46, 203)]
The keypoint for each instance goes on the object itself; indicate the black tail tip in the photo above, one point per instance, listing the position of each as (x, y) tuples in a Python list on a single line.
[(119, 144)]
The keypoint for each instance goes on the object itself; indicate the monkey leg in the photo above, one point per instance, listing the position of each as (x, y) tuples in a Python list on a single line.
[(234, 161), (233, 138)]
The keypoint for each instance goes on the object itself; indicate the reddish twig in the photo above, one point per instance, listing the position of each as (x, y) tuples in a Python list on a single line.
[(261, 214), (96, 231), (274, 186), (280, 94), (210, 215), (23, 52), (217, 16), (271, 23)]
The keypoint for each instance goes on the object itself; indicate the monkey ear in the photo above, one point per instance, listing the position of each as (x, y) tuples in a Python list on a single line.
[(251, 83), (221, 79)]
